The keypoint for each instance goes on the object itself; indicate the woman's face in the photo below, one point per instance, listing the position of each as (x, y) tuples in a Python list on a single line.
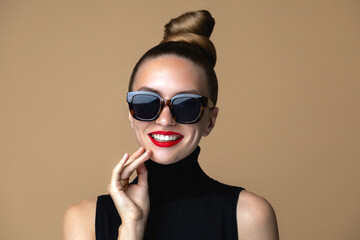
[(168, 76)]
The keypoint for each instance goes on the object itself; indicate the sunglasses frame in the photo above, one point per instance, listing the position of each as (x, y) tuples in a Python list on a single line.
[(205, 102)]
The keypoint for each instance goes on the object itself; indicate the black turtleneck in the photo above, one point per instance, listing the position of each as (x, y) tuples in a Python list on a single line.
[(168, 183), (184, 204)]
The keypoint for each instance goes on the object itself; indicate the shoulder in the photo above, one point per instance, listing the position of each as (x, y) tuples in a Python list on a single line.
[(255, 218), (79, 220)]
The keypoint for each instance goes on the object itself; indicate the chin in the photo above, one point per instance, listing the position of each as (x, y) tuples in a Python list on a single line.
[(165, 157)]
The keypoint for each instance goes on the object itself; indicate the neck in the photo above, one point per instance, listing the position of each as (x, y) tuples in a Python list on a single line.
[(174, 180)]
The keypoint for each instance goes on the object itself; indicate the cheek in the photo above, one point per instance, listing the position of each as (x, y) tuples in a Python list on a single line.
[(131, 120), (139, 129), (196, 132), (202, 125)]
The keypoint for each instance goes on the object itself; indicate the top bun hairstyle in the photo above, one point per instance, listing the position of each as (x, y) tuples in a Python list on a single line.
[(188, 36), (194, 28)]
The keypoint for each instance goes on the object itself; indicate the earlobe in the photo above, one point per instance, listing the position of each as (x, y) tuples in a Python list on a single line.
[(212, 121)]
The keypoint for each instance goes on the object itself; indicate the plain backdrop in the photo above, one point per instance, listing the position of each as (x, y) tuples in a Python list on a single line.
[(288, 129)]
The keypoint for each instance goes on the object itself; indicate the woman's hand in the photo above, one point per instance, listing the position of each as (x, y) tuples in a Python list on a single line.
[(131, 201)]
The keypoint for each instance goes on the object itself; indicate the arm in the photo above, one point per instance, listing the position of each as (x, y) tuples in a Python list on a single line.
[(79, 221), (131, 201), (255, 218)]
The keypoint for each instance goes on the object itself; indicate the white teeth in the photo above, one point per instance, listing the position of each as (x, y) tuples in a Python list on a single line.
[(165, 138)]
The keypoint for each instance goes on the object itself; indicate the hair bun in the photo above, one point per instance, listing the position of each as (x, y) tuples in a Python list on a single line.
[(194, 28)]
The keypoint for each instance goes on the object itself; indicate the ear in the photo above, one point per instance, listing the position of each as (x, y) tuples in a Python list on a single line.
[(131, 119), (212, 119)]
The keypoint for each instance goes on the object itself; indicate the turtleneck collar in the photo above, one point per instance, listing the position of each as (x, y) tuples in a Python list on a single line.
[(182, 177)]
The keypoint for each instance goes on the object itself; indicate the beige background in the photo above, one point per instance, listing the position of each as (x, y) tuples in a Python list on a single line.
[(288, 128)]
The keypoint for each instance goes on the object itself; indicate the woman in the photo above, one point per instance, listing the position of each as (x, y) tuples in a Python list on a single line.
[(172, 105)]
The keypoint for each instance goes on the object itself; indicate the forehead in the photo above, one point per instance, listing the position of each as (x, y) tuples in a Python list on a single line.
[(169, 75)]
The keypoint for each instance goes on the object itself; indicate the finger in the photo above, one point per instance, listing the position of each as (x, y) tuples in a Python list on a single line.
[(122, 203), (118, 168), (135, 155), (125, 159), (131, 167), (142, 173), (115, 182)]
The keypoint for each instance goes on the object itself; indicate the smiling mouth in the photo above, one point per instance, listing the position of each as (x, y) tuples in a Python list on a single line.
[(165, 139)]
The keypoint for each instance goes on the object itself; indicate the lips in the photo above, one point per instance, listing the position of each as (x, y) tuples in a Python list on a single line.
[(165, 138)]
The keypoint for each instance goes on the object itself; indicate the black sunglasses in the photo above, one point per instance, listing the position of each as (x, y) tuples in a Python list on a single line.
[(185, 108)]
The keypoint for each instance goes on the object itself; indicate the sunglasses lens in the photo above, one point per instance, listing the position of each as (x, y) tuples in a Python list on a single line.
[(186, 109), (145, 107)]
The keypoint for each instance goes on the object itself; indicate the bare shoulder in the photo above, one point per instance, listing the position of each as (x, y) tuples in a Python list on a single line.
[(79, 221), (255, 218)]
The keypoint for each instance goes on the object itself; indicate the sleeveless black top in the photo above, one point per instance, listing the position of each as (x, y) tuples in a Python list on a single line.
[(184, 204)]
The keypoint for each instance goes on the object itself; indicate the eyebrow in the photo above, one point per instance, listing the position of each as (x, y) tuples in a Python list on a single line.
[(148, 89)]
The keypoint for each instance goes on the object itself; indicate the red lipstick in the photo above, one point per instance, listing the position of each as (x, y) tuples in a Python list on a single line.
[(165, 138)]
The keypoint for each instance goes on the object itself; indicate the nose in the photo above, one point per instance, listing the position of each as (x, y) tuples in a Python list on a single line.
[(165, 118)]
